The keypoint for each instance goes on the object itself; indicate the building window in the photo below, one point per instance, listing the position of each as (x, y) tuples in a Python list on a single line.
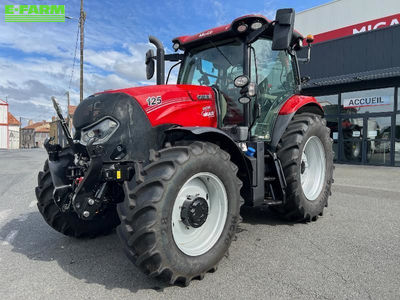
[(378, 140), (329, 104), (332, 123), (397, 141), (370, 101), (352, 133), (379, 128)]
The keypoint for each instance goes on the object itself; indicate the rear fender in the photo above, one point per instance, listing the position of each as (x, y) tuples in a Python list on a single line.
[(295, 105)]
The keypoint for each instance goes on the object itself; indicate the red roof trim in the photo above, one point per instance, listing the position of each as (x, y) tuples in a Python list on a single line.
[(12, 120), (217, 30), (43, 130), (35, 125)]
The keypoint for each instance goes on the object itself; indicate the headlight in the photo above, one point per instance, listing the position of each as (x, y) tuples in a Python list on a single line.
[(242, 27), (102, 131), (241, 81), (256, 25)]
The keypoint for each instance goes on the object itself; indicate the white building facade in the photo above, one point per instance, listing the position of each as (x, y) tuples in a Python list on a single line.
[(3, 124), (347, 17)]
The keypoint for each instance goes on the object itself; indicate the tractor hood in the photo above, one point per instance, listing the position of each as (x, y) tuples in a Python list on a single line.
[(185, 105), (140, 114)]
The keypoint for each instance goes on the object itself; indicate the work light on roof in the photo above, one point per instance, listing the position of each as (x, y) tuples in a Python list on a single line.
[(242, 27), (256, 25), (176, 46)]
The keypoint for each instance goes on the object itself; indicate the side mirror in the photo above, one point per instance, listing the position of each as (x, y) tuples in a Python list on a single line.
[(149, 64), (283, 29)]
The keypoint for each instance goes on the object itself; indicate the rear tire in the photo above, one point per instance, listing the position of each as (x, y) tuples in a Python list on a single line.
[(305, 151), (69, 223), (148, 214)]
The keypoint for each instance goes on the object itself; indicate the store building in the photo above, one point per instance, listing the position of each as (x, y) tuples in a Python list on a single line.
[(355, 74)]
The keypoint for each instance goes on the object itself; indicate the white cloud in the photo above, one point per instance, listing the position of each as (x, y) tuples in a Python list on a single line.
[(29, 85), (36, 59), (219, 13)]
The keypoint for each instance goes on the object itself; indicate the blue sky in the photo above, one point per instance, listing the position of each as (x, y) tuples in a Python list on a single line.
[(36, 59)]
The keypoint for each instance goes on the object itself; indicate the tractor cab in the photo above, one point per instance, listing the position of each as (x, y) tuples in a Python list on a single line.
[(251, 64)]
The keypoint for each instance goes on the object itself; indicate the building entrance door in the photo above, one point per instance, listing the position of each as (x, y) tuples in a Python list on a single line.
[(366, 139)]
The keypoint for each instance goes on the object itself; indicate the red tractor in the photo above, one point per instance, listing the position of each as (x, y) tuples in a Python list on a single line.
[(171, 165)]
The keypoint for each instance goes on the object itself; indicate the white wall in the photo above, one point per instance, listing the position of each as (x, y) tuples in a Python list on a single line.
[(3, 114), (3, 128), (342, 13), (3, 136), (13, 133)]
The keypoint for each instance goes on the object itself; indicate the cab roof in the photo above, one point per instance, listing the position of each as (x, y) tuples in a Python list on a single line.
[(226, 31)]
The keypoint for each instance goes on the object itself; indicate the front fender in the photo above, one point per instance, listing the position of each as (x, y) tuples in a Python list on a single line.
[(220, 138)]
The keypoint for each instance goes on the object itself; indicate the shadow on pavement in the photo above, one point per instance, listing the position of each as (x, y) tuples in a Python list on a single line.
[(99, 260), (263, 216)]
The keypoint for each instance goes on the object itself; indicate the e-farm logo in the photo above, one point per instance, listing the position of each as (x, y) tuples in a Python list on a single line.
[(34, 13)]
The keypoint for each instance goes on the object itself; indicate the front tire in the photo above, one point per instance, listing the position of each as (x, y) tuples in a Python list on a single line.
[(68, 223), (158, 233), (305, 151)]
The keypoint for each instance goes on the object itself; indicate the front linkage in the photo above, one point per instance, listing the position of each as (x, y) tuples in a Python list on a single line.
[(82, 180)]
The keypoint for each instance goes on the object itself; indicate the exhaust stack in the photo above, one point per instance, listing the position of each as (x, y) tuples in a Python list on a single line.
[(160, 59)]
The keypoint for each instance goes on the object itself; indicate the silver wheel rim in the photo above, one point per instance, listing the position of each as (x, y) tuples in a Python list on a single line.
[(313, 167), (197, 241)]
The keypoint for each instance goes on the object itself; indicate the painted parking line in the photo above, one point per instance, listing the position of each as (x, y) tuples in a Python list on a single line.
[(33, 204), (10, 237), (22, 218), (4, 214)]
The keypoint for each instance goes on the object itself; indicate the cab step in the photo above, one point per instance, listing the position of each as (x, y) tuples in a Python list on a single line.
[(269, 179), (272, 202)]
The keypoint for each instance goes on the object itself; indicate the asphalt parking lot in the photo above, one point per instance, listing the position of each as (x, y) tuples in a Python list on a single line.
[(351, 252)]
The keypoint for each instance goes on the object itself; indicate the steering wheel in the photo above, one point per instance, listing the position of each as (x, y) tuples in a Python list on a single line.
[(203, 80)]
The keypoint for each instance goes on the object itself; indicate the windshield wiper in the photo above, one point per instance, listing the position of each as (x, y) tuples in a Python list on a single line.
[(222, 53)]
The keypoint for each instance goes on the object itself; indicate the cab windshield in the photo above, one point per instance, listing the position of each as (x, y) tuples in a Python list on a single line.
[(218, 64)]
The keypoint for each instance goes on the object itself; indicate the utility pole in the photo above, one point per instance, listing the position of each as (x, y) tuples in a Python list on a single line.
[(68, 102), (81, 23), (68, 115)]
